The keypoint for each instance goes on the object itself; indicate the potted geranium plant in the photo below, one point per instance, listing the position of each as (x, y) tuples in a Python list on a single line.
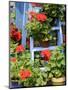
[(38, 25), (56, 65)]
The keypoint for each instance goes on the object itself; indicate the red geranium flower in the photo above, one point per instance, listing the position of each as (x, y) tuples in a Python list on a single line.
[(46, 54), (41, 17), (16, 35), (13, 59), (24, 74), (20, 48), (36, 4), (12, 33)]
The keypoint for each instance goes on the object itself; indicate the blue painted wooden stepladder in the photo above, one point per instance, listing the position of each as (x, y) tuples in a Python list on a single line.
[(21, 19)]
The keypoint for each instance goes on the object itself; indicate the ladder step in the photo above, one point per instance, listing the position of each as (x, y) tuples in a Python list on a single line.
[(55, 28), (41, 48)]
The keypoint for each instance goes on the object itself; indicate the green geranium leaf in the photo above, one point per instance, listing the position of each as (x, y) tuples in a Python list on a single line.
[(63, 62), (50, 75)]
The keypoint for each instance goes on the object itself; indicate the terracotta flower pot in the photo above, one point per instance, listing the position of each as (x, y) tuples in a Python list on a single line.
[(44, 43), (58, 81)]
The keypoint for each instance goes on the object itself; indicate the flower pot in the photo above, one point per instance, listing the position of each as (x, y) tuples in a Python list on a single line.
[(44, 43), (58, 81)]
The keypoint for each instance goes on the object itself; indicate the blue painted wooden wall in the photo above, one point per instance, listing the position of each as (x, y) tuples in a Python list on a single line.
[(21, 18)]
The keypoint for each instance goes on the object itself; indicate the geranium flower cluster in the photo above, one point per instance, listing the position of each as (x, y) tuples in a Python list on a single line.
[(13, 59), (41, 17), (15, 34), (24, 74), (20, 48), (46, 54)]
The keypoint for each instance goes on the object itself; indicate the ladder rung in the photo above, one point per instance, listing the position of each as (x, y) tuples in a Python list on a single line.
[(55, 28), (41, 48)]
